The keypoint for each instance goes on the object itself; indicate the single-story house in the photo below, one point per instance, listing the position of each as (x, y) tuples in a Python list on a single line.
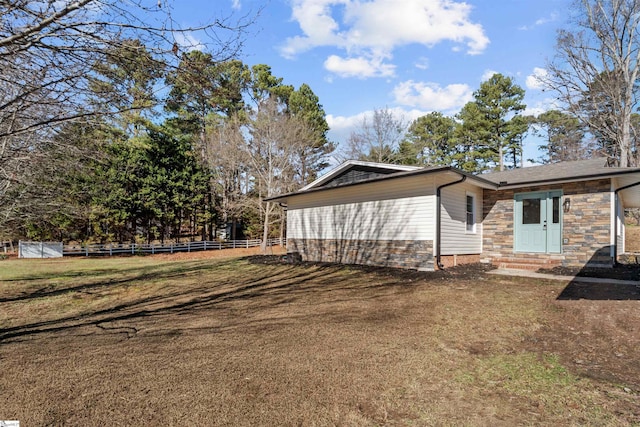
[(569, 214)]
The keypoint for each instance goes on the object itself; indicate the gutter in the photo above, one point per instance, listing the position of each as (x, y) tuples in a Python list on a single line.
[(615, 223), (505, 185), (439, 219)]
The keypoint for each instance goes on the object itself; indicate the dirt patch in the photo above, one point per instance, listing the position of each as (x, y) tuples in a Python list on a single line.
[(597, 339), (255, 341), (462, 272)]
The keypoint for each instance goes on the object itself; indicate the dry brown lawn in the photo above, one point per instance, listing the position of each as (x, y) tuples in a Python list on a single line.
[(632, 238), (194, 340)]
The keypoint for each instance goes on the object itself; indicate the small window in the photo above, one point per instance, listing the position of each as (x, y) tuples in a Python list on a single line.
[(556, 210), (471, 214), (531, 211)]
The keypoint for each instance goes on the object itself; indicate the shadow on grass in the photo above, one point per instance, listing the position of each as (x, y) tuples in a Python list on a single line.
[(77, 273), (133, 274), (269, 285), (607, 288), (577, 290)]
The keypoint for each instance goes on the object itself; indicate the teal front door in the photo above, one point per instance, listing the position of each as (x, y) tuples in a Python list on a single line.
[(538, 222)]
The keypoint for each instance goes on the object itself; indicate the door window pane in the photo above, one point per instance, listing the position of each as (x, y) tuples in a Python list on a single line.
[(556, 210), (531, 211)]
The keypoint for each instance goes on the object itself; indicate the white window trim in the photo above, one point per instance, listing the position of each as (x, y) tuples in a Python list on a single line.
[(474, 212)]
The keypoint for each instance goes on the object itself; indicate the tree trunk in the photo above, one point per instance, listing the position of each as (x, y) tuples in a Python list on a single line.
[(282, 225), (233, 229), (265, 228), (625, 140)]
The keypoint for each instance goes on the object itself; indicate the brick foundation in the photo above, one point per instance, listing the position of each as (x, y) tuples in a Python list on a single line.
[(586, 227), (386, 253), (453, 260)]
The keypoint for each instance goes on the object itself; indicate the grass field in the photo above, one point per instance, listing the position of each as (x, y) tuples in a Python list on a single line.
[(245, 342)]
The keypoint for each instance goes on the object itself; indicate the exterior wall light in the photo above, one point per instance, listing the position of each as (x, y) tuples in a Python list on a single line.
[(566, 205)]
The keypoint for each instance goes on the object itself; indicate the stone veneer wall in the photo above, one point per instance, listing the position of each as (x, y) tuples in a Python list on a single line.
[(415, 254), (586, 226)]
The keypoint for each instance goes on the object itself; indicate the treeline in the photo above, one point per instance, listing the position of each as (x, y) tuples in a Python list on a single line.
[(227, 136), (488, 134), (111, 129), (183, 153)]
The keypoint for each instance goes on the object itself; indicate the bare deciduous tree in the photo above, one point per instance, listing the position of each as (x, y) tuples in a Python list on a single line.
[(48, 56), (596, 68), (275, 138), (376, 139), (48, 49), (226, 158)]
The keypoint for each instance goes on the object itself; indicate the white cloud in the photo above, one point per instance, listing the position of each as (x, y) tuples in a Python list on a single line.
[(188, 41), (235, 4), (373, 29), (551, 18), (540, 106), (487, 75), (432, 97), (317, 24), (535, 80), (542, 21), (422, 63), (360, 67), (341, 125)]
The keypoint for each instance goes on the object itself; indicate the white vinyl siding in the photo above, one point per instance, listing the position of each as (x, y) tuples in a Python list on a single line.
[(455, 237), (620, 238), (388, 210), (617, 217)]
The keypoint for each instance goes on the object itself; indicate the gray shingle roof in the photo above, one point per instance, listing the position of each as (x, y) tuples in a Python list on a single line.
[(578, 170), (556, 172)]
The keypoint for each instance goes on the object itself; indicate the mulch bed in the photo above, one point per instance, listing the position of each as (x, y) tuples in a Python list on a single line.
[(620, 272)]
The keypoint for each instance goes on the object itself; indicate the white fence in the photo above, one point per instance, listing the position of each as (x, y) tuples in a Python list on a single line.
[(40, 249), (133, 249)]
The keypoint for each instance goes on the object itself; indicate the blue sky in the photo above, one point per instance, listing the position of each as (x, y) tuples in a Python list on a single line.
[(411, 56)]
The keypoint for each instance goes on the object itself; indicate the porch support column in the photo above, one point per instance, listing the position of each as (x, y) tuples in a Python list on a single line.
[(615, 223)]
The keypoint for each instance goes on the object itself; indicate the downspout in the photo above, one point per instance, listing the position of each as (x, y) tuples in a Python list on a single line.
[(615, 223), (438, 217)]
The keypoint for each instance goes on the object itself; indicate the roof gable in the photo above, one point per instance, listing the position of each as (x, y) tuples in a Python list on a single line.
[(353, 171)]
